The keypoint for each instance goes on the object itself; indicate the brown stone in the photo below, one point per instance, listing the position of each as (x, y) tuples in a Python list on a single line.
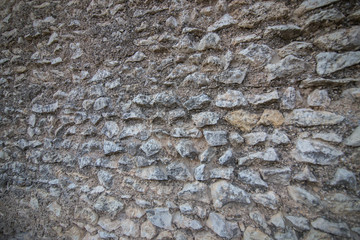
[(244, 120), (271, 117)]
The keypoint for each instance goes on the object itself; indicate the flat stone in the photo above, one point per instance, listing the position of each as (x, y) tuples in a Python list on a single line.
[(289, 31), (196, 191), (344, 177), (242, 119), (223, 192), (289, 234), (108, 225), (227, 157), (165, 99), (49, 108), (230, 99), (101, 103), (186, 133), (182, 221), (308, 118), (225, 229), (271, 117), (55, 208), (187, 149), (323, 19), (185, 45), (110, 129), (318, 98), (286, 67), (144, 161), (160, 217), (137, 57), (108, 204), (236, 139), (299, 223), (181, 71), (134, 115), (148, 230), (205, 118), (343, 205), (340, 40), (268, 199), (138, 131), (216, 138), (255, 234), (252, 178), (268, 155), (314, 234), (232, 76), (196, 78), (309, 5), (314, 82), (197, 102), (277, 220), (100, 75), (111, 148), (296, 49), (224, 22), (329, 62), (315, 152), (305, 175), (255, 138), (245, 39), (257, 54), (208, 155), (222, 173), (151, 173), (288, 99), (328, 137), (338, 229), (176, 114), (276, 175), (209, 41), (151, 147), (179, 171), (354, 139), (304, 197)]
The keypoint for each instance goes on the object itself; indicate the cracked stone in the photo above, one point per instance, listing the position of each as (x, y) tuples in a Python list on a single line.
[(344, 177), (318, 98), (264, 98), (299, 223), (340, 40), (255, 138), (151, 147), (268, 155), (271, 117)]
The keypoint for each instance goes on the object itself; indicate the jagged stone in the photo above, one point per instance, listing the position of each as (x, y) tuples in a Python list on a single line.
[(148, 230), (302, 196), (308, 118), (185, 45), (310, 82), (344, 177), (197, 78), (186, 149), (289, 31), (223, 22), (329, 62), (342, 204), (178, 171), (230, 99), (209, 41), (208, 155), (286, 67), (216, 138), (109, 225), (160, 217), (176, 114), (223, 192), (143, 100), (225, 229), (318, 98), (111, 147), (277, 220), (105, 178), (255, 138), (200, 174), (354, 139), (135, 115), (151, 147), (110, 129), (288, 100), (109, 205), (236, 139), (151, 173), (338, 229), (130, 228), (184, 222), (137, 57), (244, 120), (328, 137), (296, 49), (258, 54), (195, 191), (340, 40), (227, 157), (258, 218), (276, 175), (181, 71), (268, 155), (100, 75), (254, 234), (232, 76), (271, 117), (166, 99), (137, 130), (222, 173), (309, 5), (252, 178), (289, 234), (305, 175), (268, 199), (101, 103), (278, 137), (323, 19), (186, 133), (50, 108), (197, 102), (205, 118), (299, 223), (314, 234), (144, 161)]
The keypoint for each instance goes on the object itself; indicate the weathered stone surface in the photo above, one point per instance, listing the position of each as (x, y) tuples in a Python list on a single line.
[(232, 76), (186, 133), (227, 157), (108, 225), (340, 40), (314, 82), (338, 229), (302, 196), (289, 31), (165, 99), (143, 100), (109, 205), (209, 41), (205, 118), (255, 234), (222, 173), (268, 155), (160, 217), (323, 19), (342, 204), (344, 177), (151, 147), (309, 5), (299, 223), (222, 227), (315, 152), (223, 192), (305, 175), (271, 117), (197, 102), (111, 147), (137, 57), (195, 191), (257, 54), (296, 49), (264, 98), (277, 220), (196, 78), (182, 221), (329, 62), (230, 99), (49, 108), (178, 171), (223, 22), (151, 173), (244, 120), (286, 67), (314, 234), (268, 199), (105, 178), (255, 138), (278, 137), (208, 155), (181, 71), (307, 118), (288, 100), (186, 149), (258, 218), (276, 175), (148, 230), (100, 75), (252, 178), (318, 98), (216, 138), (200, 174), (137, 130), (289, 234), (354, 139)]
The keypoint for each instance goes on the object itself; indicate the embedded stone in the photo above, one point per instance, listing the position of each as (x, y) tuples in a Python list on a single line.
[(343, 205), (216, 138), (232, 76), (108, 225), (329, 62), (328, 137), (197, 102), (208, 155), (314, 82), (182, 221), (205, 118), (176, 114), (255, 138), (340, 40), (227, 157), (166, 99), (101, 103), (151, 173), (242, 119), (288, 100), (225, 229), (268, 199), (223, 192), (268, 155), (299, 223), (279, 137), (277, 220), (254, 233), (223, 22), (296, 49), (108, 204), (309, 5), (160, 217), (258, 54), (135, 115), (137, 130), (289, 31), (130, 228), (50, 108), (252, 178), (354, 139), (308, 118), (195, 191), (110, 129), (186, 133), (148, 230), (271, 117), (181, 71), (276, 175), (151, 147), (236, 139), (105, 178), (185, 45), (344, 177), (199, 173), (314, 234), (197, 78), (304, 197), (178, 171), (230, 99), (318, 98), (143, 100), (100, 75), (258, 218), (111, 147), (209, 41), (222, 173), (338, 229), (186, 149), (286, 67), (144, 161), (137, 57), (305, 175)]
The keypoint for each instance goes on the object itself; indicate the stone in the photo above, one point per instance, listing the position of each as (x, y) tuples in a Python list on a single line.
[(257, 54), (224, 22), (185, 45), (305, 175), (182, 221), (165, 99), (134, 212), (186, 133), (232, 76), (186, 149), (143, 100), (160, 217), (178, 171), (242, 119), (197, 102), (289, 31), (135, 115), (151, 173), (230, 99), (286, 67), (137, 57), (288, 100), (205, 118), (295, 48), (255, 234), (354, 139), (318, 98), (314, 234), (338, 229), (216, 138), (315, 152), (100, 75), (110, 129), (314, 82), (304, 197), (208, 155), (195, 191), (49, 108), (176, 114), (342, 204), (130, 228), (223, 192), (271, 117), (148, 230), (187, 208), (328, 137), (276, 175), (309, 5), (222, 173), (209, 41), (277, 220), (227, 157), (105, 178), (108, 204), (111, 148), (268, 199), (289, 234), (252, 178), (196, 78), (136, 130), (225, 229), (299, 223), (245, 39), (268, 155), (255, 138), (236, 139), (74, 233), (199, 173), (108, 225), (329, 62), (308, 118), (101, 103), (344, 177), (212, 63), (181, 71), (340, 40), (151, 147), (278, 137), (55, 208), (258, 218)]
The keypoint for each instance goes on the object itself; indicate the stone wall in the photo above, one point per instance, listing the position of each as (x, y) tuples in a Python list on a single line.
[(141, 119)]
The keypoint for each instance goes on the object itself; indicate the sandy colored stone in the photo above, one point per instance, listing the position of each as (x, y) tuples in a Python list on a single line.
[(242, 119), (271, 117)]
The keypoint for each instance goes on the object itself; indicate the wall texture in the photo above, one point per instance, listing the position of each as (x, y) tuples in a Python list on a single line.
[(134, 119)]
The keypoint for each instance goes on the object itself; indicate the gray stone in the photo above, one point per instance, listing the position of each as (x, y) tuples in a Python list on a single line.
[(148, 230), (50, 108), (143, 100), (179, 171), (288, 99), (268, 199), (186, 133), (257, 54), (135, 115), (245, 39), (216, 138), (338, 229), (185, 45), (279, 137), (309, 5), (258, 218), (160, 217), (151, 173), (182, 221), (197, 78), (205, 118), (268, 155), (196, 191), (101, 103), (255, 138), (232, 76), (276, 175), (221, 227), (236, 139), (328, 137), (252, 178), (289, 234), (318, 98), (222, 173), (137, 130), (209, 41), (144, 161), (108, 225), (151, 147), (200, 174), (286, 67), (255, 234), (343, 205), (289, 31), (111, 147), (105, 178), (208, 155), (314, 82), (308, 118), (100, 75), (296, 49), (264, 98), (137, 57), (323, 19), (314, 234), (197, 102), (110, 129), (130, 228), (354, 139), (340, 40), (181, 71), (227, 157), (315, 152), (344, 177), (299, 223), (109, 205), (329, 62), (230, 99), (223, 192), (305, 175), (223, 22), (176, 114), (304, 197), (166, 99), (84, 161), (187, 149), (277, 220)]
